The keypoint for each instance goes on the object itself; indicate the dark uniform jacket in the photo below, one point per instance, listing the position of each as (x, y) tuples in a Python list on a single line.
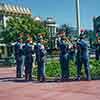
[(84, 49), (40, 52), (27, 48), (18, 51), (64, 47)]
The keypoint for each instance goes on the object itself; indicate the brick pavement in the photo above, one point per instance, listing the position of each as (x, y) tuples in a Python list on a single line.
[(12, 89)]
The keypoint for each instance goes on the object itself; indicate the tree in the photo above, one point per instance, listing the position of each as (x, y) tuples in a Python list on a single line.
[(24, 26)]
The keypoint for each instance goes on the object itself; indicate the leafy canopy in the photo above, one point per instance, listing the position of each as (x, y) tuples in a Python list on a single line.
[(17, 25)]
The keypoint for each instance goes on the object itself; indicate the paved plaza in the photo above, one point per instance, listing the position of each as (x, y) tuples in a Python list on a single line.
[(14, 89)]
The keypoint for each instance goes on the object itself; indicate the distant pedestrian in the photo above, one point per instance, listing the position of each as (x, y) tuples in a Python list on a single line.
[(97, 51)]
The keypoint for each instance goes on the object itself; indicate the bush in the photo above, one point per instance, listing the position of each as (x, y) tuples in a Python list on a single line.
[(53, 69), (95, 69)]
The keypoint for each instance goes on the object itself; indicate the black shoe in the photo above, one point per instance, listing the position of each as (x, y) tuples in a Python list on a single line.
[(88, 79), (42, 79), (78, 78), (30, 79), (18, 77), (64, 79)]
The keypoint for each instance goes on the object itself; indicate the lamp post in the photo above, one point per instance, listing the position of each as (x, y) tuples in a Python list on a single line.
[(78, 16)]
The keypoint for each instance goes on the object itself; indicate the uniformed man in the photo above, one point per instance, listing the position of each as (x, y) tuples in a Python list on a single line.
[(83, 57), (64, 57), (28, 60), (78, 60), (40, 58), (19, 58)]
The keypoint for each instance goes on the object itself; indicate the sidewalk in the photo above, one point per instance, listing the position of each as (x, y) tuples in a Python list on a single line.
[(12, 89)]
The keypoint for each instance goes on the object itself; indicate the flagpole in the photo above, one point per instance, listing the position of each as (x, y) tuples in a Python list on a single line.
[(78, 16)]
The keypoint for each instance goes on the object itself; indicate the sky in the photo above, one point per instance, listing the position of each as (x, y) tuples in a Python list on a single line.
[(63, 10)]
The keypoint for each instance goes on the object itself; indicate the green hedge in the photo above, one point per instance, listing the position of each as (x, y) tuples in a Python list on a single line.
[(53, 69)]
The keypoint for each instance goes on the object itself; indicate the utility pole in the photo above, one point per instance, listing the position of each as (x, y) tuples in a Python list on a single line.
[(78, 16)]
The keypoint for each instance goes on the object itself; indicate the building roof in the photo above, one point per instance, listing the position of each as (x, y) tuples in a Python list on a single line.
[(8, 9), (38, 18)]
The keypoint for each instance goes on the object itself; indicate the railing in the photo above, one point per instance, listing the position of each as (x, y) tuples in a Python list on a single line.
[(7, 61)]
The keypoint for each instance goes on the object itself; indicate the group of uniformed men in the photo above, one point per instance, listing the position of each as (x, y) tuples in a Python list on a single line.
[(23, 55), (82, 56)]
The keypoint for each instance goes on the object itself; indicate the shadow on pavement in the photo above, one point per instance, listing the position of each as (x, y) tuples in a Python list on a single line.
[(22, 80), (12, 79)]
